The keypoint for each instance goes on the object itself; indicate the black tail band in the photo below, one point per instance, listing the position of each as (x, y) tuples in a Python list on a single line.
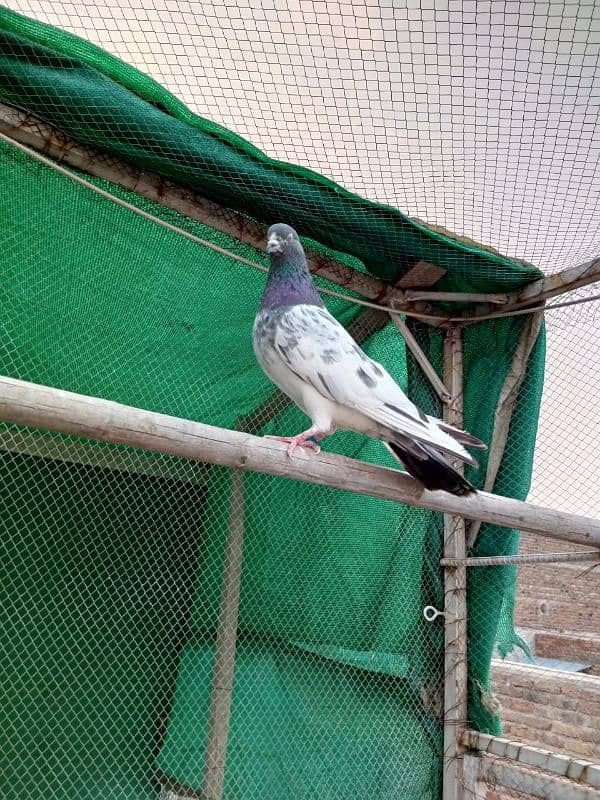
[(434, 472)]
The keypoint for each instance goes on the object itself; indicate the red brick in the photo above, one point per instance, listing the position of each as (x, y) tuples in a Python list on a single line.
[(516, 703), (581, 693), (566, 729), (560, 701), (582, 748), (568, 647), (517, 731), (521, 682), (558, 597), (530, 721), (544, 716)]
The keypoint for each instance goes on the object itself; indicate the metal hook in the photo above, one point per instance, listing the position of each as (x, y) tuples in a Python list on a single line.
[(431, 613)]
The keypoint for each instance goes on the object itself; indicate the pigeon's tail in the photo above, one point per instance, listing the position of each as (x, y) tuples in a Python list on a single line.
[(431, 469)]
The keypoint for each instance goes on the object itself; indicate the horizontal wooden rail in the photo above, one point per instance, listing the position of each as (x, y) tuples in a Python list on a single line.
[(56, 410)]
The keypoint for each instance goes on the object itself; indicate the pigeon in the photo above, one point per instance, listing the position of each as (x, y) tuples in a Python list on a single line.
[(305, 351)]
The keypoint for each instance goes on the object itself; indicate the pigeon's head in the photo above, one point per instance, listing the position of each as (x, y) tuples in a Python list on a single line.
[(283, 240)]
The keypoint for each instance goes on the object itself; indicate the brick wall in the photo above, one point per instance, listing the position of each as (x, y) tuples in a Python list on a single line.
[(557, 597), (550, 708)]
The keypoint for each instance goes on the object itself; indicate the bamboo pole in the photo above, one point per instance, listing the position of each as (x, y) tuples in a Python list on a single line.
[(36, 406), (455, 593), (25, 129), (553, 285), (38, 135), (537, 292), (224, 668), (33, 132)]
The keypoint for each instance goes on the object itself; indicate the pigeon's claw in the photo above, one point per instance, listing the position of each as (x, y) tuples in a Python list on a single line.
[(306, 439), (302, 440)]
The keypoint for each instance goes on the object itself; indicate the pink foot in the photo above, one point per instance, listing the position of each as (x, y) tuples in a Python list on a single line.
[(305, 439)]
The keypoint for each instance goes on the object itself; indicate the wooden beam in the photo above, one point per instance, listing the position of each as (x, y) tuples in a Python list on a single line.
[(38, 406), (507, 402), (554, 285), (421, 359), (413, 295), (44, 138), (421, 275), (221, 696)]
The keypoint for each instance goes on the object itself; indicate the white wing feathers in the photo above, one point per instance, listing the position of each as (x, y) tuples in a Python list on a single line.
[(313, 344)]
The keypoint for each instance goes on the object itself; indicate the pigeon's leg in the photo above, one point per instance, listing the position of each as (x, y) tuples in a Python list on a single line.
[(309, 439)]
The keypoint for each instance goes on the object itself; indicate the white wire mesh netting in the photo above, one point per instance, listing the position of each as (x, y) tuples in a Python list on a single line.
[(476, 116)]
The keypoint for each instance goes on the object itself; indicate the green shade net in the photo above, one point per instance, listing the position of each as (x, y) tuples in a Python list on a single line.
[(112, 565)]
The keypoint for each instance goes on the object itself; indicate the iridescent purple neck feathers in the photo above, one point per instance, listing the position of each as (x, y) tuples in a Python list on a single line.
[(289, 282)]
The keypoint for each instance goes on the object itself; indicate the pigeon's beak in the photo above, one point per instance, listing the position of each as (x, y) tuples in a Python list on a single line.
[(274, 245)]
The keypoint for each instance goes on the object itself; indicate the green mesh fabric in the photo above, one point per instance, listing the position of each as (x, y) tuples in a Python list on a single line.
[(112, 560)]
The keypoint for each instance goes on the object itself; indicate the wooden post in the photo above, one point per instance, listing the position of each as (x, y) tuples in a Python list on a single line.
[(455, 594), (224, 668)]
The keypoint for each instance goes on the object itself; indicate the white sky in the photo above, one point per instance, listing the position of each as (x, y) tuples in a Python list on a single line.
[(482, 117)]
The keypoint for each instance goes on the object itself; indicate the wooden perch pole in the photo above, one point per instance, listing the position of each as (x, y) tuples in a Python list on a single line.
[(30, 404), (455, 593)]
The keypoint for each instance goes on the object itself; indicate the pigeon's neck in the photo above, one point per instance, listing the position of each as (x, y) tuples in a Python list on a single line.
[(288, 284)]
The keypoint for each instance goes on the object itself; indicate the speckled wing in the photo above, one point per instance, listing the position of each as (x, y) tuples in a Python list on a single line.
[(316, 348)]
